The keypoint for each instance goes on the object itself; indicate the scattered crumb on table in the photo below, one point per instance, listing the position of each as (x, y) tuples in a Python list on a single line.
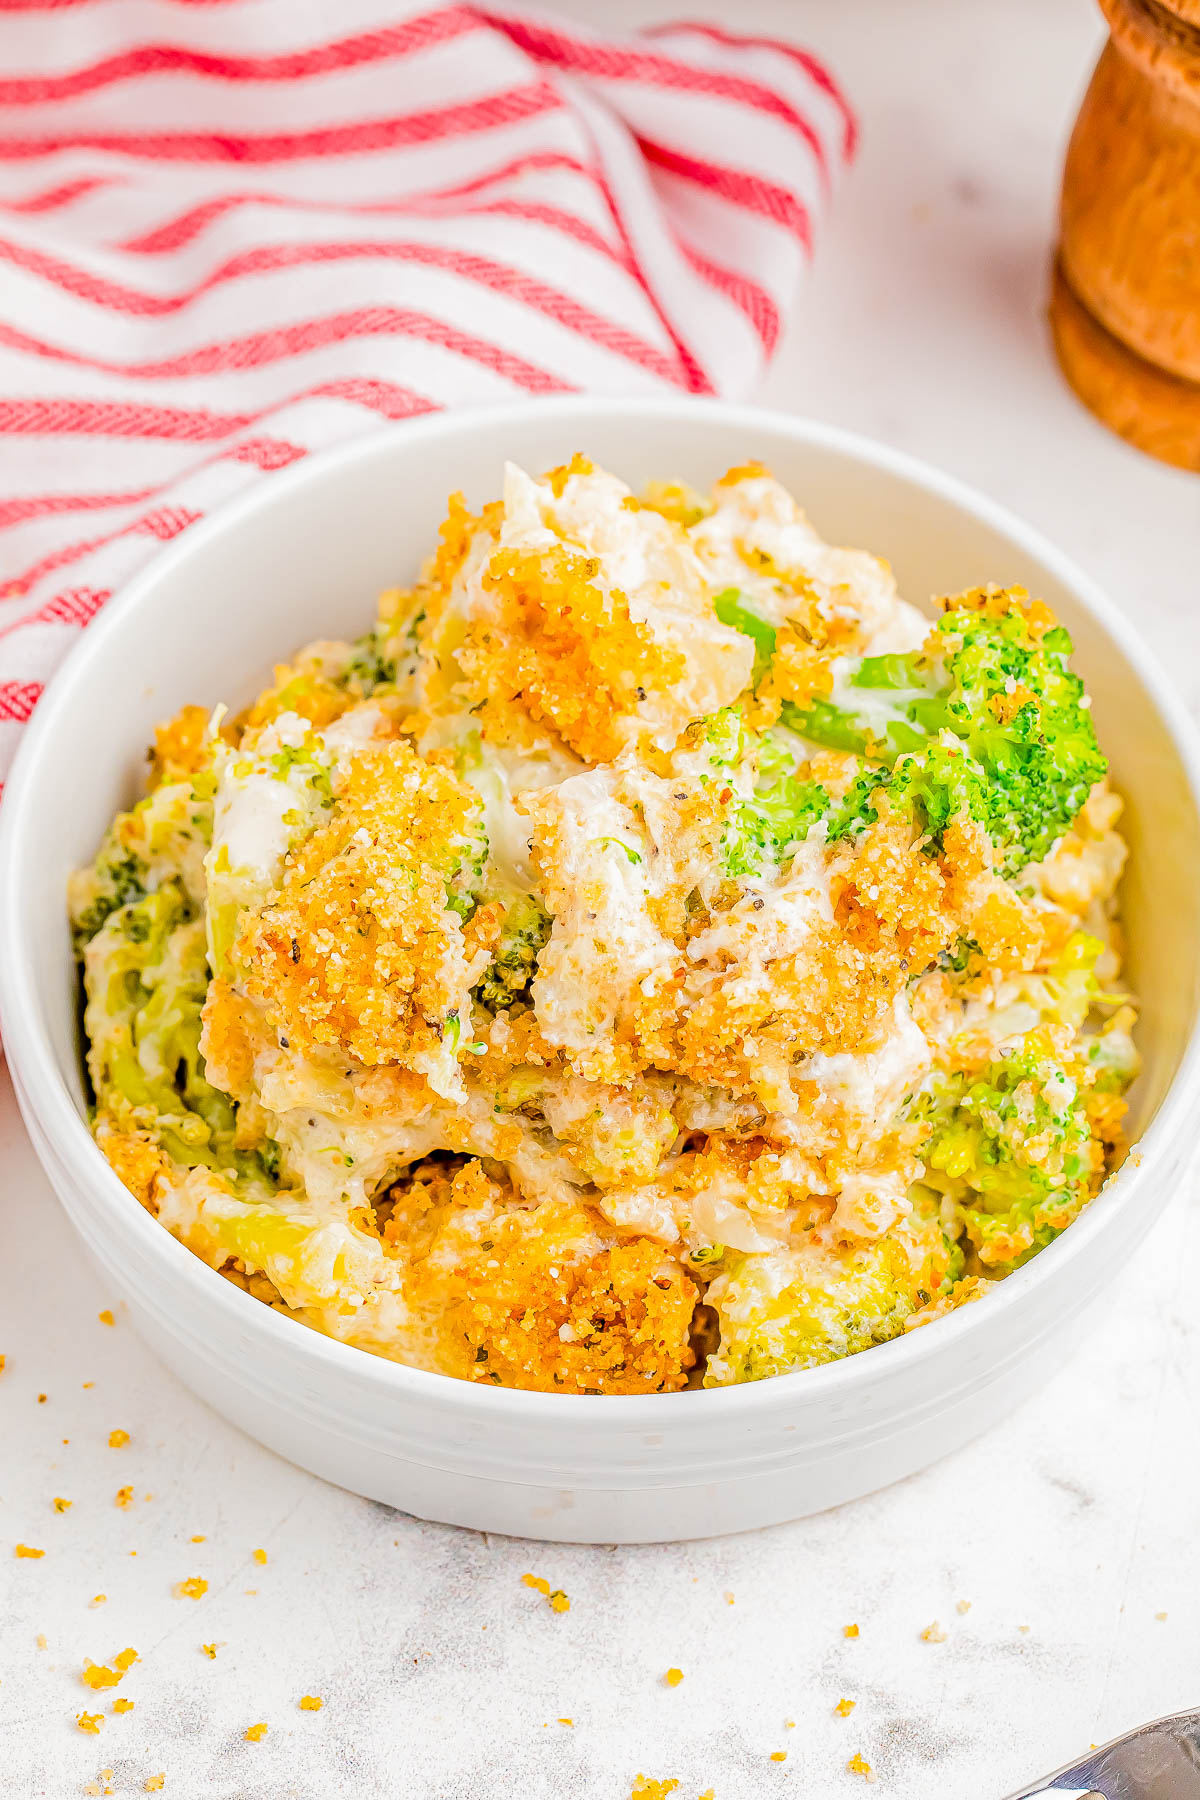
[(554, 1597)]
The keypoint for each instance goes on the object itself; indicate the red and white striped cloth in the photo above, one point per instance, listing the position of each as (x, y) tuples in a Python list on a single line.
[(236, 231)]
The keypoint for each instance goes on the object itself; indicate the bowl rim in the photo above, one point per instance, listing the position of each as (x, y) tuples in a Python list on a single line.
[(42, 1089)]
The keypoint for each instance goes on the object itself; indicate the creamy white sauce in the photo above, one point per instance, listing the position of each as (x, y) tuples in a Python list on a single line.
[(871, 1085)]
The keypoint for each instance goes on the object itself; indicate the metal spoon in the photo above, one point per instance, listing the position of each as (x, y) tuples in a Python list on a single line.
[(1160, 1761)]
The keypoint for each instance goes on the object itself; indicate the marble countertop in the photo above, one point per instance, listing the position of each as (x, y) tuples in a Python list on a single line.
[(1058, 1553)]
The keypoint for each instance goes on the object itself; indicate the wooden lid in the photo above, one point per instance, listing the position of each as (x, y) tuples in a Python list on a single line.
[(1163, 36)]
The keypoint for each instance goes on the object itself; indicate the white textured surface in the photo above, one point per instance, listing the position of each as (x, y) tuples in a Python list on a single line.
[(441, 1674)]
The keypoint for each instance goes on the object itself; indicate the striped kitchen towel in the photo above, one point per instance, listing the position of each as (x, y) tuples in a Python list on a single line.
[(236, 231)]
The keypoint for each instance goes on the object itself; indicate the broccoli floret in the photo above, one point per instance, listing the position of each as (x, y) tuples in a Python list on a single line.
[(525, 930), (468, 860), (162, 838), (1015, 1151), (767, 827), (370, 666), (793, 1309), (117, 876), (146, 978), (725, 736), (994, 674), (932, 789)]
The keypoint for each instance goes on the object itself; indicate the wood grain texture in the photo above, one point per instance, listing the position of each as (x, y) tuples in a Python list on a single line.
[(1160, 413), (1129, 252)]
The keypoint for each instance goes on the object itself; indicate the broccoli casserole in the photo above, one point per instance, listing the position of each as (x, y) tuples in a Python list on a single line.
[(654, 953)]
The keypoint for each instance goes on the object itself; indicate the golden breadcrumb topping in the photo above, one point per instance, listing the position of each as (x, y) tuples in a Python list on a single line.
[(530, 1303), (359, 951), (180, 746)]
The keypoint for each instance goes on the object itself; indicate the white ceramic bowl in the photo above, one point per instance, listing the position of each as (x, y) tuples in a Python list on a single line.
[(303, 556)]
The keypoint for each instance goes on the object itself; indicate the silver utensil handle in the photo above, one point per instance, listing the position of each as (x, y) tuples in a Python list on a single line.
[(1159, 1761)]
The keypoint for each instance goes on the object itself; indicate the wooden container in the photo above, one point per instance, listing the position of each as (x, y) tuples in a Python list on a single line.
[(1125, 302)]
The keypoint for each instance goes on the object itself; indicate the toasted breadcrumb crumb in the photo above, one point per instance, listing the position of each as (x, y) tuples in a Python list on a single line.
[(311, 1703), (118, 1439), (106, 1317), (99, 1675), (935, 1634), (42, 1399), (844, 1708), (121, 1705), (28, 1550), (850, 1631), (673, 1677), (124, 1497), (192, 1588), (154, 1784), (3, 1364), (858, 1765), (555, 1598), (61, 1505), (256, 1733), (210, 1650), (87, 1721), (260, 1556)]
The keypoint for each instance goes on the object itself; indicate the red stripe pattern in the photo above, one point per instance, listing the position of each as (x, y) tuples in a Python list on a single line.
[(444, 205)]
